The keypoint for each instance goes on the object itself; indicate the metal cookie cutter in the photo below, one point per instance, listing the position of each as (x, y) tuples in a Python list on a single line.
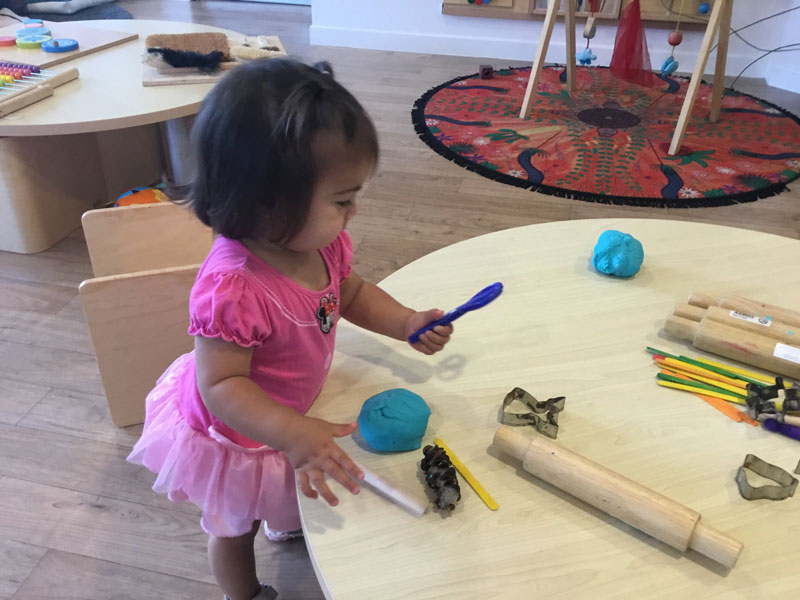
[(546, 424), (786, 483), (762, 400)]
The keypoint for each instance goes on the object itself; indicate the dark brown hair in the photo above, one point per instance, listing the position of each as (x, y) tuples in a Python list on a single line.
[(253, 166)]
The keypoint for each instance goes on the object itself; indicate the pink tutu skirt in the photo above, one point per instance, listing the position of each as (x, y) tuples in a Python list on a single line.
[(232, 485)]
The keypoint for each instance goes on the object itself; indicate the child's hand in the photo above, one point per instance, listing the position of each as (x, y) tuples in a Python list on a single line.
[(431, 341), (313, 454)]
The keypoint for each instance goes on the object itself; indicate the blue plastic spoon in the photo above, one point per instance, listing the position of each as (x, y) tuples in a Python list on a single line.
[(479, 300)]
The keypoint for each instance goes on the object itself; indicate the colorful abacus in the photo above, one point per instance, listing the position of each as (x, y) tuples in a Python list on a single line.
[(18, 77), (23, 84)]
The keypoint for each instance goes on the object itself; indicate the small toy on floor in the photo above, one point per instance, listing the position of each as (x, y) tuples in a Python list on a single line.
[(142, 195), (441, 477), (486, 71)]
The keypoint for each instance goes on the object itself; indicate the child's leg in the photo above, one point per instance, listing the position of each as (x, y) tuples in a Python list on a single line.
[(233, 563)]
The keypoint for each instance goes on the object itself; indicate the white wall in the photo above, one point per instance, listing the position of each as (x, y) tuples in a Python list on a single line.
[(783, 69), (420, 26)]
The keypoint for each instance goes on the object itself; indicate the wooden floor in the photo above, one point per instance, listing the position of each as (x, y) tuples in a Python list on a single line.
[(76, 521)]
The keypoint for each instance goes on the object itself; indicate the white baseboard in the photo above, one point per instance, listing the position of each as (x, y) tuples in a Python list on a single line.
[(497, 48), (785, 78)]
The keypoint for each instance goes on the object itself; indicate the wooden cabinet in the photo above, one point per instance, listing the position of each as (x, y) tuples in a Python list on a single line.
[(652, 10)]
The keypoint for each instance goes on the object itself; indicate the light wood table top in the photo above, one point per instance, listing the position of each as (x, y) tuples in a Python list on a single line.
[(109, 93), (559, 328)]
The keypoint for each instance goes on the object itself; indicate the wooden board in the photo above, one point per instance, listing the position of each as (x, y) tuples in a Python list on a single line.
[(495, 3), (90, 40), (138, 323), (120, 240), (652, 10), (516, 9), (609, 9), (668, 10), (153, 77)]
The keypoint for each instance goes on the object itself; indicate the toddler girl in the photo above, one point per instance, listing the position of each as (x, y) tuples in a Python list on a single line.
[(281, 151)]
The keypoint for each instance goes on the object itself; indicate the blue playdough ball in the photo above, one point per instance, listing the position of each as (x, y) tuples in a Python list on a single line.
[(394, 420), (618, 254), (704, 8)]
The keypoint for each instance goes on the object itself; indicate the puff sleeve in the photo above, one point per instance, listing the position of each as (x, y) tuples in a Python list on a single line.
[(228, 306), (344, 254)]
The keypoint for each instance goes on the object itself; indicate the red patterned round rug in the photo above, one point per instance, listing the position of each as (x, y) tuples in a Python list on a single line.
[(608, 140)]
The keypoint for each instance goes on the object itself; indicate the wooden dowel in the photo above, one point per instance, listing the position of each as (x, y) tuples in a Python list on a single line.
[(687, 311), (755, 323), (697, 76), (569, 27), (638, 506), (746, 305), (732, 342), (722, 55), (402, 498), (541, 53), (702, 299)]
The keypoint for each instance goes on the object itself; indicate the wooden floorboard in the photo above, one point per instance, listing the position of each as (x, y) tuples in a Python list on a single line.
[(76, 521), (17, 561), (70, 576)]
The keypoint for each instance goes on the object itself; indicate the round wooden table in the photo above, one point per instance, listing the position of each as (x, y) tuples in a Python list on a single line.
[(560, 328), (96, 137)]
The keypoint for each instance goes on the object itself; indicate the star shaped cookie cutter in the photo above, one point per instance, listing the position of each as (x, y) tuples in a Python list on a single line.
[(546, 424)]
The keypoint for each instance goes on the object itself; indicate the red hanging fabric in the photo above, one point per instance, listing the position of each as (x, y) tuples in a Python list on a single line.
[(631, 60)]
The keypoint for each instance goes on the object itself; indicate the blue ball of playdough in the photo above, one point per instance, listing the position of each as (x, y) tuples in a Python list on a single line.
[(394, 420), (618, 254), (704, 8)]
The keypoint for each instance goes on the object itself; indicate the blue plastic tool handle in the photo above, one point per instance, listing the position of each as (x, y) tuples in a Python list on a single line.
[(479, 300)]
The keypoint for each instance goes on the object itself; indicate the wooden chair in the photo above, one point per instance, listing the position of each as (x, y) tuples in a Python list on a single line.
[(145, 260)]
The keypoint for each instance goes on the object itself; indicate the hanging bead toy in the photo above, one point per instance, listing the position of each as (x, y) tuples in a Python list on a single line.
[(670, 65), (586, 56)]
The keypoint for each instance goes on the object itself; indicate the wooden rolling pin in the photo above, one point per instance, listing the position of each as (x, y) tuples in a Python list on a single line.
[(648, 511), (757, 324), (745, 305), (731, 342)]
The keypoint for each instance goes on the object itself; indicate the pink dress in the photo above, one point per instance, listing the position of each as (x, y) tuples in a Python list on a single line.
[(240, 298)]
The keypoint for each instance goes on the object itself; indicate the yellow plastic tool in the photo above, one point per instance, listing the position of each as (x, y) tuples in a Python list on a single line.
[(465, 473), (672, 363), (734, 389)]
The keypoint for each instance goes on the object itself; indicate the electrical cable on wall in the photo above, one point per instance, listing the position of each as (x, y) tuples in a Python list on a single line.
[(794, 47)]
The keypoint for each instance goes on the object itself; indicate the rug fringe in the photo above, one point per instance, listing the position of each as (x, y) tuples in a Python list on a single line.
[(422, 130)]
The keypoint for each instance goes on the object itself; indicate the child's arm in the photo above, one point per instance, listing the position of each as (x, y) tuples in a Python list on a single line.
[(223, 378), (368, 306)]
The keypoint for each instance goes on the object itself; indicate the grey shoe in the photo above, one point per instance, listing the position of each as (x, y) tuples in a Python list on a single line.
[(282, 536), (267, 593)]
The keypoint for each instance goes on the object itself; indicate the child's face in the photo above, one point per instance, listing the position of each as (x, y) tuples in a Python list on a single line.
[(342, 173)]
